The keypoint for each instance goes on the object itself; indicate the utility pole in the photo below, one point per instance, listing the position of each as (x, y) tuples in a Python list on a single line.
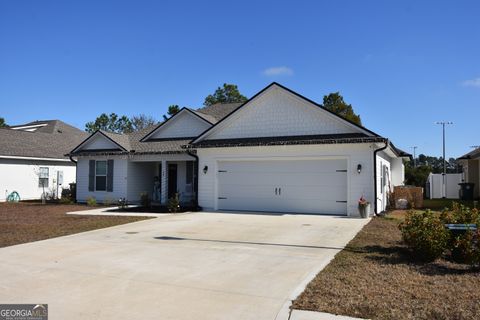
[(414, 156), (443, 123)]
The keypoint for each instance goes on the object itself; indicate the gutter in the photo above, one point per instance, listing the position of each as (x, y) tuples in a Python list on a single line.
[(34, 158), (375, 173), (71, 159), (195, 181)]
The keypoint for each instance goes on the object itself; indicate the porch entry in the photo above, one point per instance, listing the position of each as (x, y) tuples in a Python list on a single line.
[(172, 179), (176, 177)]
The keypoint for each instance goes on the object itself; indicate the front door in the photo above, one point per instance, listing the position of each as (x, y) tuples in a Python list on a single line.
[(172, 180)]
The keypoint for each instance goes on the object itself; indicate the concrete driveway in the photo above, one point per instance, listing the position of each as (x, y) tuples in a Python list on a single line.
[(186, 266)]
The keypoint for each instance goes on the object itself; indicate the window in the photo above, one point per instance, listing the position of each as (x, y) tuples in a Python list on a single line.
[(43, 177), (101, 175)]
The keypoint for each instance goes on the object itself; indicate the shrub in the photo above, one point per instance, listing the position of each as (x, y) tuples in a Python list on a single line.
[(465, 248), (173, 204), (91, 202), (425, 234), (145, 200), (122, 203), (460, 214)]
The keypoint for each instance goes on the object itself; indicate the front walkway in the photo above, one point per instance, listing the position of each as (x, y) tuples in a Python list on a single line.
[(187, 266), (112, 211)]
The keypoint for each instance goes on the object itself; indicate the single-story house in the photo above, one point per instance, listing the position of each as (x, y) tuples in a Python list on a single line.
[(471, 169), (277, 152), (32, 158)]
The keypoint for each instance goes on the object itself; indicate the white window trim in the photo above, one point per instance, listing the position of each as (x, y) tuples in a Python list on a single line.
[(42, 177), (101, 175)]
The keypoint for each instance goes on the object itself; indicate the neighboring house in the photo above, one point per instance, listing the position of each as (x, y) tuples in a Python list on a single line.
[(471, 169), (32, 157), (279, 151)]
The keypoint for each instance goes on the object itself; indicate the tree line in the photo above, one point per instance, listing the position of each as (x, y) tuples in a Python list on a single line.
[(418, 175)]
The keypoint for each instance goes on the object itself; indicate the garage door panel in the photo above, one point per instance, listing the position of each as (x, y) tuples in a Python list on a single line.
[(246, 203), (231, 190), (323, 179), (315, 192), (234, 178), (303, 186), (327, 207)]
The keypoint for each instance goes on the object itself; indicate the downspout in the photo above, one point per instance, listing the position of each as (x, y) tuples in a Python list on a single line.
[(71, 159), (375, 173), (76, 175), (195, 181)]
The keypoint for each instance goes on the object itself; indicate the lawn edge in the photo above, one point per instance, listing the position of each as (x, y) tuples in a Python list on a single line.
[(83, 232), (286, 310)]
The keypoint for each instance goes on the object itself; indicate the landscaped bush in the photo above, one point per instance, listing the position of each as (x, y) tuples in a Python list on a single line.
[(91, 202), (145, 200), (122, 203), (428, 237), (425, 234), (460, 214), (465, 248), (174, 204)]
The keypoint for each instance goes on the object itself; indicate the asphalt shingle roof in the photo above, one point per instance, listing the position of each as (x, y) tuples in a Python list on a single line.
[(219, 111), (472, 154), (51, 141), (132, 142)]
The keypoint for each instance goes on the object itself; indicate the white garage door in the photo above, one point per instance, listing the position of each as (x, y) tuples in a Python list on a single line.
[(303, 186)]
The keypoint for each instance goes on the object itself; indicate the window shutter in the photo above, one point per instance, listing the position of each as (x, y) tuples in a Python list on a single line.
[(110, 175), (91, 175)]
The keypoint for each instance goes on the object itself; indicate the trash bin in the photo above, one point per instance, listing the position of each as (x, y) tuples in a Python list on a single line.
[(466, 190)]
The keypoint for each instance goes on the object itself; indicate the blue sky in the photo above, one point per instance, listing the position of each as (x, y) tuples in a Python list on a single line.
[(402, 64)]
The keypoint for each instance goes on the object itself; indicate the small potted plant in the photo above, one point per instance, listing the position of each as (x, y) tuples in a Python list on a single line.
[(363, 207)]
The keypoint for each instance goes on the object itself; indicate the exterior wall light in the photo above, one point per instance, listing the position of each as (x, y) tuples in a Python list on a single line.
[(205, 169), (359, 168)]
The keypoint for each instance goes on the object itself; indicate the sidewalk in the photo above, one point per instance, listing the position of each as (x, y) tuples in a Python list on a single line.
[(111, 211)]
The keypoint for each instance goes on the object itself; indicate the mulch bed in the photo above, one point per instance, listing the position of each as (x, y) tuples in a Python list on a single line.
[(153, 209), (29, 221), (375, 277)]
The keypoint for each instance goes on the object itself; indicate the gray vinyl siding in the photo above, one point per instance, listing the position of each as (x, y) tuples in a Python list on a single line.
[(119, 181)]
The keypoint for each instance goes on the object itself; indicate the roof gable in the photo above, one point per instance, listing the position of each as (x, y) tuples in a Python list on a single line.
[(278, 111), (184, 124), (100, 140)]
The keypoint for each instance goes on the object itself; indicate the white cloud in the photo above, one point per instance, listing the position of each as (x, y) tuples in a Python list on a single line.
[(472, 83), (278, 71)]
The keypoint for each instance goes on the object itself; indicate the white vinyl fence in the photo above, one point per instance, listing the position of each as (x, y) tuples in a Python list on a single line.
[(435, 185)]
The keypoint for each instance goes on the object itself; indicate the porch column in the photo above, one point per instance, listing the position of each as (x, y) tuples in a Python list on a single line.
[(164, 183)]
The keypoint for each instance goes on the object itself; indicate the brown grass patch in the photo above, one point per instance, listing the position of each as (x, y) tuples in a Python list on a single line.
[(376, 277), (27, 222)]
